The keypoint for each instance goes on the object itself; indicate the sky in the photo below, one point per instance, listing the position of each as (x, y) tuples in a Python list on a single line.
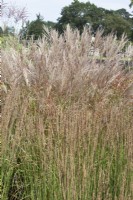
[(51, 9)]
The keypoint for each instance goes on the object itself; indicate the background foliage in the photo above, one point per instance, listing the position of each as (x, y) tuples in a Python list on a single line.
[(78, 15)]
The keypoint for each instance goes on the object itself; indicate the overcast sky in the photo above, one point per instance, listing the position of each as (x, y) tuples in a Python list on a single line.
[(51, 9)]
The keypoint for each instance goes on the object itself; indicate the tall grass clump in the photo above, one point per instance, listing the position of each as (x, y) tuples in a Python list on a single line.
[(67, 119)]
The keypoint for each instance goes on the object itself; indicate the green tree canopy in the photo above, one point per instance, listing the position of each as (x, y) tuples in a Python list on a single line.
[(123, 13), (117, 24), (36, 28), (79, 14)]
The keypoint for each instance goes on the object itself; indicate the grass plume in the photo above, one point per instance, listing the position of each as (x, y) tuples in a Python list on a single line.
[(67, 119)]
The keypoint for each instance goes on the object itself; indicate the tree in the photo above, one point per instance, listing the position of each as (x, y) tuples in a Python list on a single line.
[(131, 4), (36, 28), (79, 14), (24, 30), (49, 24), (123, 13), (117, 24)]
